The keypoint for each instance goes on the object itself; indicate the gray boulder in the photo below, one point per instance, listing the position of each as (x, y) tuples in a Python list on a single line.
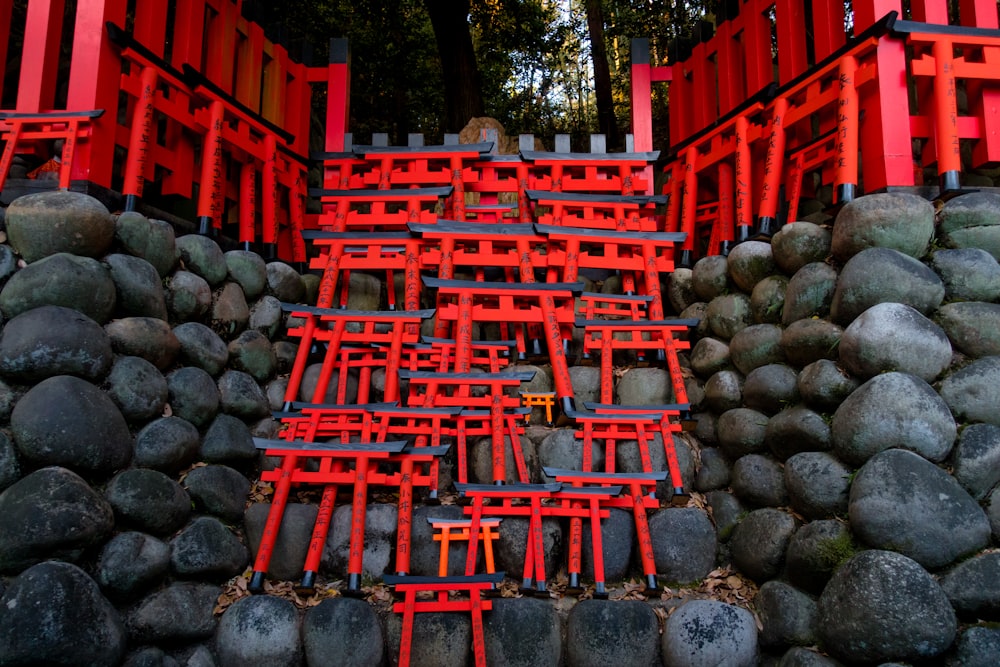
[(241, 396), (882, 275), (52, 340), (973, 587), (992, 507), (180, 613), (684, 544), (749, 263), (759, 481), (167, 444), (345, 628), (10, 467), (680, 289), (881, 606), (705, 633), (796, 429), (138, 388), (50, 513), (363, 293), (972, 221), (188, 296), (380, 540), (617, 533), (227, 440), (9, 396), (697, 311), (145, 337), (54, 614), (69, 422), (586, 381), (629, 458), (230, 313), (902, 501), (594, 630), (710, 277), (892, 410), (767, 301), (973, 393), (759, 543), (770, 388), (285, 284), (807, 341), (130, 564), (251, 352), (741, 431), (46, 223), (259, 630), (201, 347), (705, 428), (975, 460), (266, 317), (815, 551), (977, 646), (65, 280), (522, 632), (902, 221), (968, 274), (645, 386), (439, 639), (710, 355), (972, 327), (149, 656), (509, 550), (193, 395), (206, 549), (138, 285), (289, 552), (148, 500), (823, 385), (8, 260), (713, 473), (799, 243), (218, 490), (729, 313), (202, 256), (561, 449), (152, 240), (788, 615), (798, 656), (724, 391), (817, 484), (247, 270), (809, 293), (727, 512), (894, 337), (425, 552), (756, 346)]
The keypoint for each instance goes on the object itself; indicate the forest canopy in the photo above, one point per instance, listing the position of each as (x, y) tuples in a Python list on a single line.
[(537, 66)]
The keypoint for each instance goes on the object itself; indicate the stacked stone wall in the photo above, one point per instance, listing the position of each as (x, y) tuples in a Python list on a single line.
[(843, 470)]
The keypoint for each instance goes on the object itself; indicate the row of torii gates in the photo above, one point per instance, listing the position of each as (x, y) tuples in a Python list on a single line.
[(192, 96)]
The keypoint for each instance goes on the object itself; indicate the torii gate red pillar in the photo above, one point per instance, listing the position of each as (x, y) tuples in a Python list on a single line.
[(94, 77)]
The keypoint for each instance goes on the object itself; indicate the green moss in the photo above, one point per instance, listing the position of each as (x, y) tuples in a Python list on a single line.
[(837, 550)]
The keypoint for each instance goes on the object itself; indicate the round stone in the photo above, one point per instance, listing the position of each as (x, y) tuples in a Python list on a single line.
[(66, 280), (901, 221), (46, 223), (69, 422)]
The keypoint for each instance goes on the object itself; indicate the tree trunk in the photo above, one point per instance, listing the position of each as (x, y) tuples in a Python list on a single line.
[(463, 95), (602, 74)]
